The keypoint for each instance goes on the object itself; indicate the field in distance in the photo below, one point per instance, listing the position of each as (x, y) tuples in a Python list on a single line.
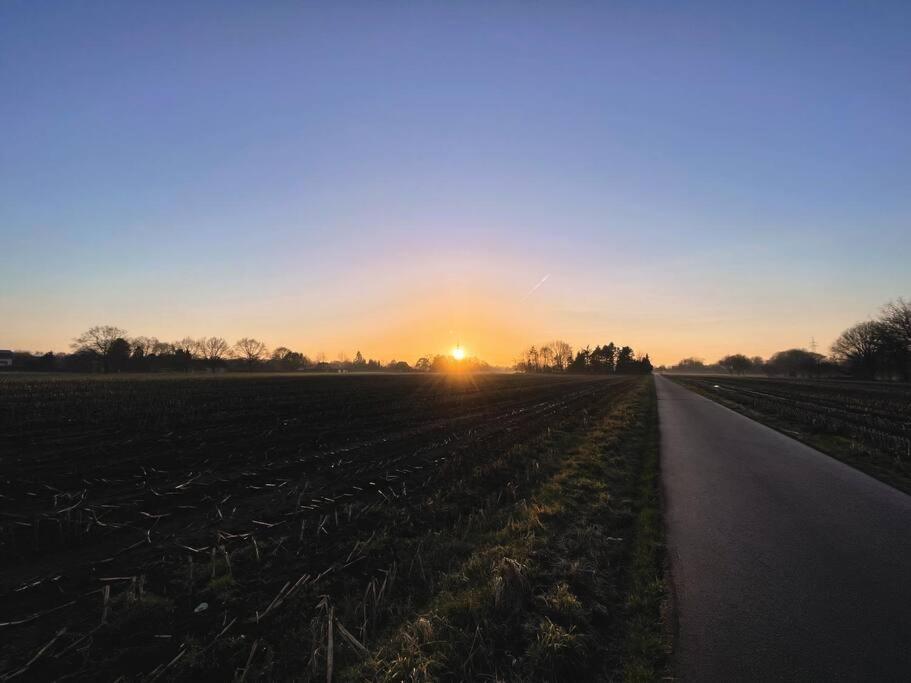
[(866, 424), (356, 526)]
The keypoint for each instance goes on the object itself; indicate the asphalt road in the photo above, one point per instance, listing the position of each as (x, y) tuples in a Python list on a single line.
[(785, 563)]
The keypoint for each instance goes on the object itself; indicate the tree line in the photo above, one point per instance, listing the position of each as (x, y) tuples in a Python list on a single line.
[(106, 348), (792, 363), (557, 356), (873, 349)]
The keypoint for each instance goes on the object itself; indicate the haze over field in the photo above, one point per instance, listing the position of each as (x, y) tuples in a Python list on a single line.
[(399, 178)]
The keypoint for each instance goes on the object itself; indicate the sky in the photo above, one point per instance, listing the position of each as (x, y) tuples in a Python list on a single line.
[(691, 179)]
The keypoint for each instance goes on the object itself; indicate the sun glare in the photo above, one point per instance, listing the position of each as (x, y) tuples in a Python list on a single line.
[(458, 353)]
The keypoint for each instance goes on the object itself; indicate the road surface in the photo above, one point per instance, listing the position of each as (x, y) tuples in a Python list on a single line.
[(785, 563)]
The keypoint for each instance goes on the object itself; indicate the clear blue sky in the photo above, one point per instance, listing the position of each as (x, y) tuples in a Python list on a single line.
[(695, 178)]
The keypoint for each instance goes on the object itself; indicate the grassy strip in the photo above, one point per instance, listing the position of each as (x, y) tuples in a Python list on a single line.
[(646, 646), (850, 451), (569, 587)]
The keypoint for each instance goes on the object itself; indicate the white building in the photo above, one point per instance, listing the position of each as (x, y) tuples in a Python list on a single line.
[(6, 359)]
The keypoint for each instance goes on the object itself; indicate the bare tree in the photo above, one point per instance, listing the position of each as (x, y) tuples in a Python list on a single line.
[(99, 339), (160, 348), (563, 354), (108, 342), (214, 350), (281, 353), (532, 359), (252, 351), (897, 316), (546, 355), (188, 346), (143, 346), (896, 322), (860, 347)]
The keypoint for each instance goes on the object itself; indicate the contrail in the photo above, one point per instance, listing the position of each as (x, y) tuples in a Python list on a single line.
[(532, 290)]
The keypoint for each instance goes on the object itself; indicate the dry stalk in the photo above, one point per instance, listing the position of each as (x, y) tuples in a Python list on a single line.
[(169, 664), (330, 647), (249, 660), (106, 597), (354, 642)]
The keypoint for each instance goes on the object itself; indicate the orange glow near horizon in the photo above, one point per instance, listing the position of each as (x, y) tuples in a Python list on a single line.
[(481, 301), (458, 353)]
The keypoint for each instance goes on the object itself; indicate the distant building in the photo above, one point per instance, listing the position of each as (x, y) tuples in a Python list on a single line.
[(6, 359)]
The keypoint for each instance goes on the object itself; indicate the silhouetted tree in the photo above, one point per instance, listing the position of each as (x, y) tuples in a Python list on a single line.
[(188, 345), (546, 355), (83, 360), (645, 365), (596, 361), (183, 353), (279, 356), (612, 356), (422, 364), (143, 346), (626, 363), (860, 347), (532, 359), (251, 351), (794, 363), (214, 351), (582, 361), (603, 359), (896, 321), (285, 359), (557, 356), (138, 360), (99, 340), (398, 366), (118, 357), (736, 364), (690, 365), (47, 362), (563, 354)]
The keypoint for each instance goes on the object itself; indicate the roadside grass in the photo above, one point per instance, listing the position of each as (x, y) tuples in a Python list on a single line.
[(647, 647), (569, 587), (854, 452)]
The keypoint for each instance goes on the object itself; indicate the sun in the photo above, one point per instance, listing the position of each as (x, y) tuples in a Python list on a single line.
[(458, 353)]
